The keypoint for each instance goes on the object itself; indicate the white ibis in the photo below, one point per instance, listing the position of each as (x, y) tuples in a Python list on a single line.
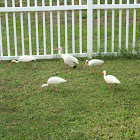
[(94, 63), (24, 58), (110, 79), (53, 81), (68, 59)]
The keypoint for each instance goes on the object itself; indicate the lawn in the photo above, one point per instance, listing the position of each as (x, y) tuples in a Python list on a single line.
[(84, 108)]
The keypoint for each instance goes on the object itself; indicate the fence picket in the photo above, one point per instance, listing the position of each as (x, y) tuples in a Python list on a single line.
[(22, 29), (105, 28), (29, 28), (36, 23), (113, 18), (44, 29), (98, 28), (89, 29), (14, 26), (51, 28), (58, 25), (120, 26), (127, 26), (1, 47), (80, 28), (134, 27), (66, 29), (73, 30), (7, 30)]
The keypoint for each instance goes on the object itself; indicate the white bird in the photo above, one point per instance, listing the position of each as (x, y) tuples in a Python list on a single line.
[(53, 81), (110, 79), (68, 59), (94, 63), (24, 58)]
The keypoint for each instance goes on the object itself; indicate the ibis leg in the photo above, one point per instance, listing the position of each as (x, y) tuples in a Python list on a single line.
[(99, 69), (110, 86), (69, 67), (114, 86), (27, 66), (31, 66), (94, 70), (56, 89)]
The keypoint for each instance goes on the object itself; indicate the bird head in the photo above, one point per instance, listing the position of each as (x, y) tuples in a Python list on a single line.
[(12, 63), (44, 85), (85, 64), (59, 48), (104, 72)]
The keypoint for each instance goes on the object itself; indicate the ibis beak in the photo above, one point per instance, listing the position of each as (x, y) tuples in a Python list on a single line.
[(85, 65), (57, 49), (41, 89), (11, 64), (102, 73)]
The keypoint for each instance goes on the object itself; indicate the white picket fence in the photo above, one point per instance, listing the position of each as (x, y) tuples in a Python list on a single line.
[(88, 5)]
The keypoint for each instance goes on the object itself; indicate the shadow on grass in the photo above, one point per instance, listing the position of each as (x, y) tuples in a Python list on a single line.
[(63, 92)]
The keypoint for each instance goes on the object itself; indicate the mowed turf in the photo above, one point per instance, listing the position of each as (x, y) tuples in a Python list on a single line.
[(84, 107)]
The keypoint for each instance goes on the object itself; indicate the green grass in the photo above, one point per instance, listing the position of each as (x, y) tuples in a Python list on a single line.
[(85, 108)]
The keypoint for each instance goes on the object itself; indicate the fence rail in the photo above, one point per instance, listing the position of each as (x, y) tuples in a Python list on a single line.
[(87, 50), (62, 8)]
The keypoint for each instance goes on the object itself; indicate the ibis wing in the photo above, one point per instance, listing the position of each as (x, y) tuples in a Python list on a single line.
[(111, 79), (55, 80), (26, 58), (95, 62), (70, 60)]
